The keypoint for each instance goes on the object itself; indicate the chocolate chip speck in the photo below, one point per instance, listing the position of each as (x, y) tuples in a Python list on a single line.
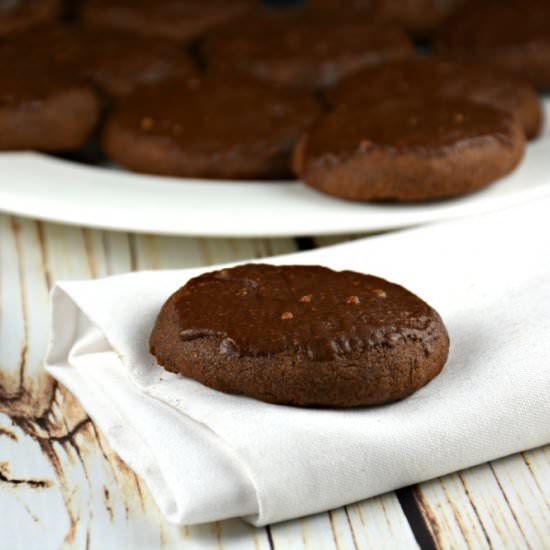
[(146, 123), (380, 293), (306, 298), (364, 145), (286, 315), (352, 300)]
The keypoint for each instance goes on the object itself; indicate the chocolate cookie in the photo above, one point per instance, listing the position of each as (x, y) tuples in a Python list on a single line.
[(419, 17), (116, 62), (409, 149), (44, 110), (511, 35), (172, 19), (304, 49), (422, 76), (209, 128), (119, 62), (301, 335), (18, 15)]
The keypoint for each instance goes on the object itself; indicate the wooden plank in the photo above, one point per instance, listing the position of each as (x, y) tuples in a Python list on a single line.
[(30, 497), (74, 492), (503, 504), (380, 523), (24, 286), (155, 252), (12, 328), (538, 462), (375, 523), (311, 533), (452, 519), (526, 488)]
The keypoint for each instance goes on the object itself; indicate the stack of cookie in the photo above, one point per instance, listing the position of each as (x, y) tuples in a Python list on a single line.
[(332, 93)]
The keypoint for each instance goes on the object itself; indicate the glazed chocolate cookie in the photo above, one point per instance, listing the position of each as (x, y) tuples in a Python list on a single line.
[(421, 76), (304, 49), (119, 62), (19, 15), (209, 128), (171, 19), (409, 149), (116, 62), (44, 110), (419, 17), (511, 35), (301, 335)]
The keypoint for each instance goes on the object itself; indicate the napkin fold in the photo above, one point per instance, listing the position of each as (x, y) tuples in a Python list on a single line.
[(208, 456)]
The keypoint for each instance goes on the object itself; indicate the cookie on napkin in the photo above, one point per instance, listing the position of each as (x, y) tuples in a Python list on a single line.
[(301, 335)]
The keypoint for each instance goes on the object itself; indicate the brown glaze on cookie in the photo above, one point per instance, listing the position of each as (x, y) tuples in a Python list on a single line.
[(44, 110), (511, 35), (424, 76), (119, 62), (304, 49), (418, 17), (115, 62), (209, 128), (54, 45), (301, 335), (181, 20), (19, 15), (409, 149)]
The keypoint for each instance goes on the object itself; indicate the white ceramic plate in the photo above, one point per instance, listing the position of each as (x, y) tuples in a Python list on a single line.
[(47, 188)]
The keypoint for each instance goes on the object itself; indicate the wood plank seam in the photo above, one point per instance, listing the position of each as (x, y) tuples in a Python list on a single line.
[(44, 253), (353, 534), (270, 537), (475, 510), (536, 481), (505, 496), (24, 304), (423, 524)]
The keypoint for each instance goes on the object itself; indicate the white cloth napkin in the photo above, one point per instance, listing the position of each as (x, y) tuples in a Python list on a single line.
[(208, 456)]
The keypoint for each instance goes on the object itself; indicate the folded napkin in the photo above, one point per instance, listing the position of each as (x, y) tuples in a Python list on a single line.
[(207, 456)]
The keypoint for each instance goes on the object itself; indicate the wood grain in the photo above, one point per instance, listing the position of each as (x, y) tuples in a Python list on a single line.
[(61, 486), (503, 504)]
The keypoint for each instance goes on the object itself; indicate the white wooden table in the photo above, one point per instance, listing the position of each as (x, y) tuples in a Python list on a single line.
[(61, 486)]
